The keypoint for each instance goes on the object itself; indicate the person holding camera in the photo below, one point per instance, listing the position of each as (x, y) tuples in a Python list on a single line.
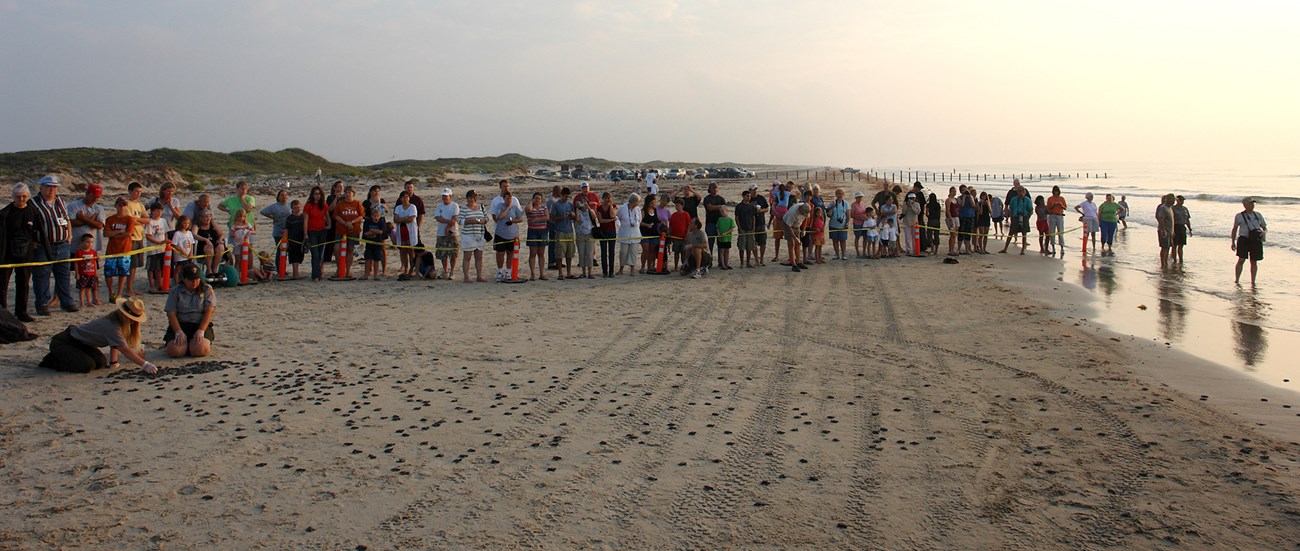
[(1248, 232)]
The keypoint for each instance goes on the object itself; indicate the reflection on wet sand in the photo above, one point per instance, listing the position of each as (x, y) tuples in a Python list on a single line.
[(1250, 337), (1173, 314)]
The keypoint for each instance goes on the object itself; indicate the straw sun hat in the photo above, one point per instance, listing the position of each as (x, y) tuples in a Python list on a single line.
[(132, 308)]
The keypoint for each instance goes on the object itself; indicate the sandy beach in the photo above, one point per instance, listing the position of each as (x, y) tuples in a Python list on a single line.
[(890, 404)]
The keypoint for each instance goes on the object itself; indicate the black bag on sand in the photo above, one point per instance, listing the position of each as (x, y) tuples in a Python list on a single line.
[(12, 330)]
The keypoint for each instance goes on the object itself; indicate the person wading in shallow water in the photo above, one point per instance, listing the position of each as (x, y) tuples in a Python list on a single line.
[(1248, 233)]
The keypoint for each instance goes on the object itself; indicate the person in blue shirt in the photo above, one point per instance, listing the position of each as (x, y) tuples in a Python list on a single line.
[(1019, 208)]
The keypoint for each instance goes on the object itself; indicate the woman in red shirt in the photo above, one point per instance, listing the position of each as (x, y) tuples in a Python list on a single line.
[(317, 213)]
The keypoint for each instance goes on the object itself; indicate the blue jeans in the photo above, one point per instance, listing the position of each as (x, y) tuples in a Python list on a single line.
[(711, 230), (314, 240), (1108, 232), (62, 277)]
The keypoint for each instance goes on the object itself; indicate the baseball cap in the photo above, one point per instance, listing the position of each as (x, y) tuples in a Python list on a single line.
[(120, 201), (753, 186), (585, 184), (95, 190), (190, 272), (446, 191), (1250, 200), (50, 180)]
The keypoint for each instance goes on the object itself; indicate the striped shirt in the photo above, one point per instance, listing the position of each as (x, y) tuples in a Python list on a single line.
[(473, 230), (538, 217), (53, 218)]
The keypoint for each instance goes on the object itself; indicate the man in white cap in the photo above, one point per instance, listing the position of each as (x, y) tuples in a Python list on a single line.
[(447, 244), (55, 246), (761, 208)]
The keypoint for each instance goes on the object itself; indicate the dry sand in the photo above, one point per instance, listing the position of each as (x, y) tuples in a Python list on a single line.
[(882, 405)]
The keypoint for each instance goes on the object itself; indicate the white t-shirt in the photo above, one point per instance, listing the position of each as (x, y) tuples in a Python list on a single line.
[(870, 225), (1089, 209), (650, 181), (629, 224), (157, 230), (1246, 223), (182, 241), (412, 228), (889, 233), (447, 211), (497, 205)]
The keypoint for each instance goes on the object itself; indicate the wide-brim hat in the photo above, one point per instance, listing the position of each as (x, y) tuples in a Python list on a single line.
[(132, 308)]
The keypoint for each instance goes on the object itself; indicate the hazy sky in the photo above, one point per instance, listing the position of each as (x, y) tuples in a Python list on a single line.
[(859, 83)]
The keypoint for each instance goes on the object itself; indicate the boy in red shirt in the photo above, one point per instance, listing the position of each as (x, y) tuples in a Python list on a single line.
[(88, 271), (678, 224)]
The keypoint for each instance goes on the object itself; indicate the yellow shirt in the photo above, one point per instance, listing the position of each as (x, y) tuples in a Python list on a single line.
[(135, 209)]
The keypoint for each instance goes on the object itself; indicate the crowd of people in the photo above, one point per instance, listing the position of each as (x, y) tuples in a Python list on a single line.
[(46, 239)]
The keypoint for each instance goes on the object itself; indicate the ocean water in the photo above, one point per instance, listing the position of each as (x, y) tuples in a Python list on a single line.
[(1194, 306)]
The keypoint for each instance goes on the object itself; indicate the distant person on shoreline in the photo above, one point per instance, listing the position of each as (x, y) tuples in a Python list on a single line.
[(1165, 227), (1056, 221), (1109, 213), (1249, 231), (1182, 227), (1123, 210), (1088, 215)]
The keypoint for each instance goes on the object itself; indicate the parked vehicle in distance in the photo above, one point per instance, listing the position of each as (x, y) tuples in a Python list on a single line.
[(543, 173), (675, 174), (580, 175), (620, 174)]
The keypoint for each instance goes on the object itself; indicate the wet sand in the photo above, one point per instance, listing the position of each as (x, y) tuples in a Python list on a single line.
[(848, 406)]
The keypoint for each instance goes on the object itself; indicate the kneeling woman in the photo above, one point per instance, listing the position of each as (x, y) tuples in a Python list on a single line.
[(189, 308), (76, 349)]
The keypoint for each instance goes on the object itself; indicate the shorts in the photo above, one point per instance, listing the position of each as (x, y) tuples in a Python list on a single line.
[(953, 223), (964, 228), (1165, 242), (726, 246), (87, 282), (983, 222), (760, 238), (859, 231), (117, 267), (886, 243), (1042, 226), (805, 240), (1020, 224), (649, 239), (839, 234), (154, 263), (1180, 236), (747, 242), (678, 245), (564, 245), (471, 241), (537, 238), (374, 253), (446, 247), (998, 219), (1090, 225), (296, 253), (503, 244), (189, 329), (1250, 248), (137, 259), (873, 238), (777, 233)]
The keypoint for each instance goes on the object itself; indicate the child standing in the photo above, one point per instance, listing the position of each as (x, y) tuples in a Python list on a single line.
[(818, 234), (375, 230), (155, 234), (295, 229), (183, 243), (872, 225), (888, 236), (88, 271), (726, 230), (117, 228)]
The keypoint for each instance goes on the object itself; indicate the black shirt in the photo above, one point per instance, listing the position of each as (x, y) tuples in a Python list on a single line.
[(760, 218), (20, 232), (745, 215), (692, 205), (712, 216)]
